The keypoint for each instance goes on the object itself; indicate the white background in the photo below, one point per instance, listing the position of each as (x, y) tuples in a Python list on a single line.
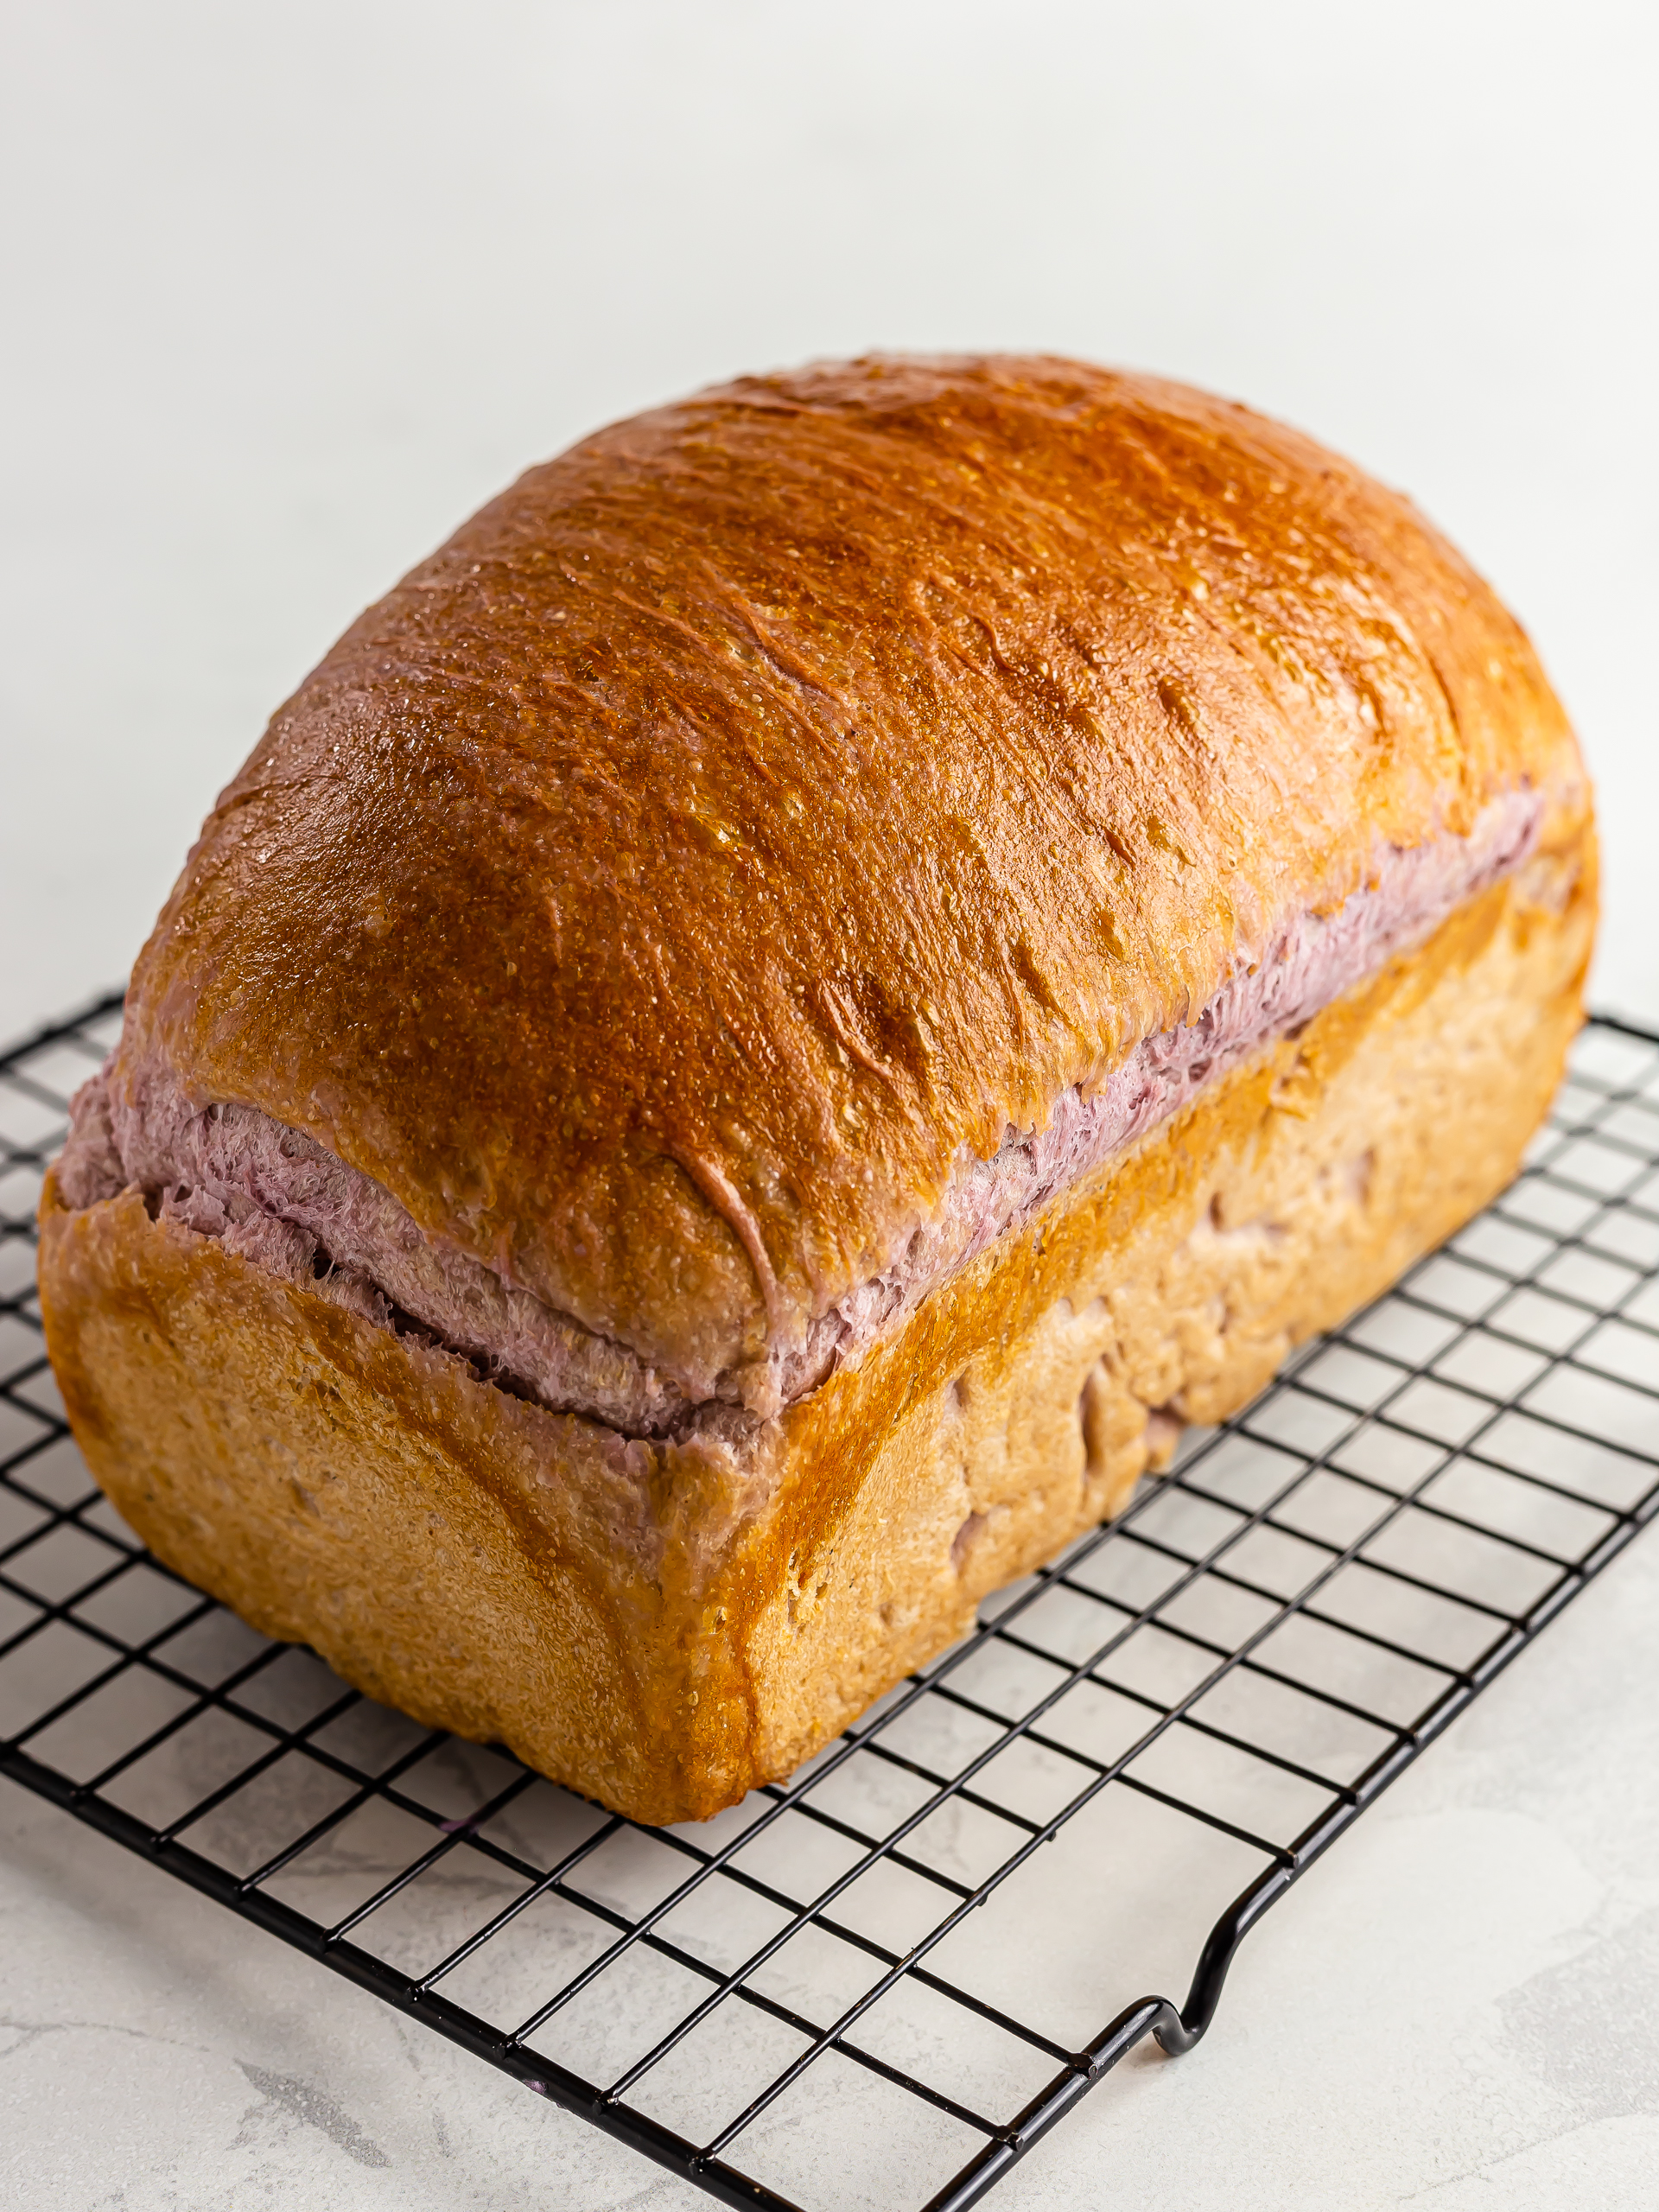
[(289, 288)]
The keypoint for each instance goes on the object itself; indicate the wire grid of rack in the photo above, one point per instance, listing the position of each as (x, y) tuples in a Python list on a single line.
[(881, 1984)]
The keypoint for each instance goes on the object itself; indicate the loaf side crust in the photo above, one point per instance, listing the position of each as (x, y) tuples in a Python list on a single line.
[(663, 1626)]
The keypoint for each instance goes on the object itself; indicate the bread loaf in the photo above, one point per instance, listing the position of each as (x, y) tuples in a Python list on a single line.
[(761, 1032)]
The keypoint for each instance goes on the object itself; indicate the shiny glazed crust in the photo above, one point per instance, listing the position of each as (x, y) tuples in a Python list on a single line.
[(780, 792), (661, 1626)]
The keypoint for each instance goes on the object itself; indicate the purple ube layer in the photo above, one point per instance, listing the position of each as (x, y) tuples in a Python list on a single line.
[(275, 1196)]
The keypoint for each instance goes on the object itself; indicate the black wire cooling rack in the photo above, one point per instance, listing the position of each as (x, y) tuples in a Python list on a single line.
[(880, 1985)]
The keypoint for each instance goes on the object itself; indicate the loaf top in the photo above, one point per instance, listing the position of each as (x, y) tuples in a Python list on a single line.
[(771, 802)]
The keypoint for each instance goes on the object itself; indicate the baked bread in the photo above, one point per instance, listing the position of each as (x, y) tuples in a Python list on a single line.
[(844, 958)]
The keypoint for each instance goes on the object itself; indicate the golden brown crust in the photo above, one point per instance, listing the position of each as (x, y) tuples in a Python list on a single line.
[(781, 790), (664, 1626)]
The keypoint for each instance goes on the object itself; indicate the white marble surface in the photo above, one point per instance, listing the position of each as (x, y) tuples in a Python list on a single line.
[(290, 291), (1459, 2009)]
